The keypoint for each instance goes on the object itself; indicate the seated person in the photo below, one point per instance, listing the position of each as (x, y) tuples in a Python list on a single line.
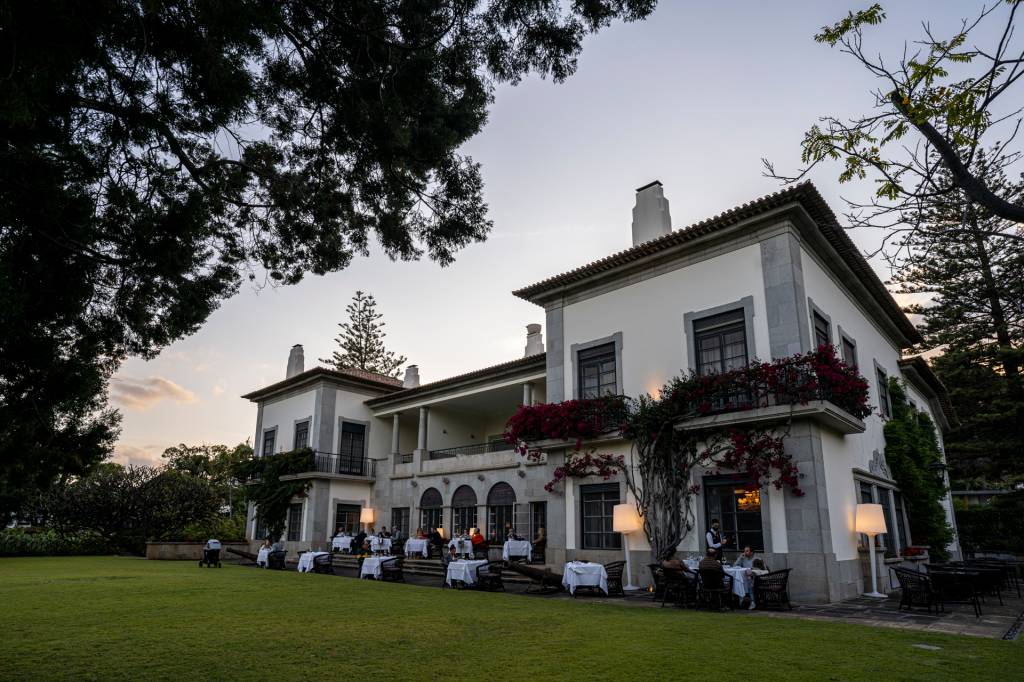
[(449, 556), (384, 532), (435, 538), (277, 546), (396, 533), (372, 531), (365, 548), (710, 561), (746, 559), (673, 563), (358, 540), (420, 535), (477, 539), (266, 544)]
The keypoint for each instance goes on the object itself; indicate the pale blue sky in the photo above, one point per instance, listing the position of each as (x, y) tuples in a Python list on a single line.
[(694, 97)]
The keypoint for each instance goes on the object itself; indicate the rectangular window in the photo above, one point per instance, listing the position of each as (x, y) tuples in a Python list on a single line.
[(822, 331), (463, 518), (849, 352), (901, 526), (597, 371), (597, 504), (736, 503), (269, 437), (720, 342), (301, 435), (352, 448), (261, 529), (295, 522), (538, 518), (883, 393), (890, 537), (499, 517), (346, 518), (400, 519), (430, 517)]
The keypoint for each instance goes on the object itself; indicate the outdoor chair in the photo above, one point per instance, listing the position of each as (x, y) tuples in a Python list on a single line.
[(1011, 579), (323, 564), (614, 571), (538, 552), (275, 559), (488, 577), (391, 569), (956, 586), (916, 589), (772, 589), (444, 572), (481, 551), (680, 587), (398, 547), (658, 576), (714, 587)]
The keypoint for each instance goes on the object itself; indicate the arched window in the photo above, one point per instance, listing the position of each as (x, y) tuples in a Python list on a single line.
[(430, 509), (463, 509), (501, 506)]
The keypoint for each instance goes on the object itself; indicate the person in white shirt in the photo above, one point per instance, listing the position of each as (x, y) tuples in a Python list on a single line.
[(715, 539)]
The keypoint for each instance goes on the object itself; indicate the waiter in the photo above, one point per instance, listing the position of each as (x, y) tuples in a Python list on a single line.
[(715, 539)]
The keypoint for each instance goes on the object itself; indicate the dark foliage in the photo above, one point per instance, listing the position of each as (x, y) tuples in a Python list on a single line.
[(155, 154), (268, 492), (998, 526)]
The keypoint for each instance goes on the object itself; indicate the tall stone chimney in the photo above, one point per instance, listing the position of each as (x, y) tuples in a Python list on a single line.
[(412, 377), (534, 340), (651, 218), (296, 362)]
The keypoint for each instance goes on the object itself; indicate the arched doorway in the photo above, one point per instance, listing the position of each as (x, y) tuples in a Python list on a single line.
[(501, 508), (430, 509)]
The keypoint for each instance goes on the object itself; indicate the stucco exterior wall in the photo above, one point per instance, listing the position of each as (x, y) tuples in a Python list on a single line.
[(282, 413)]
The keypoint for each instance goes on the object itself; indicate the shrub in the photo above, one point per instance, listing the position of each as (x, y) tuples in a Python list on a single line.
[(224, 528), (30, 542), (998, 526)]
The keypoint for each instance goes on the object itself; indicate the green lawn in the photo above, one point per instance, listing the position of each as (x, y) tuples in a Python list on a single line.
[(119, 618)]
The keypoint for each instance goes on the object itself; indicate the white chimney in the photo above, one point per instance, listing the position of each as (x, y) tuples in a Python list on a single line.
[(412, 377), (534, 340), (296, 362), (650, 215)]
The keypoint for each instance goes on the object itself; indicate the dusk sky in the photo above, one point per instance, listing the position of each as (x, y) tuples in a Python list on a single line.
[(695, 97)]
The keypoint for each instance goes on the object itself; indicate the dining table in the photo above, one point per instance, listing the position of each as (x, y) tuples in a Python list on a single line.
[(306, 561), (342, 543), (517, 548), (379, 544), (414, 546), (584, 574), (464, 571), (372, 566)]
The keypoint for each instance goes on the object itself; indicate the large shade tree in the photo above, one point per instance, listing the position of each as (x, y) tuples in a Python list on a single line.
[(154, 155)]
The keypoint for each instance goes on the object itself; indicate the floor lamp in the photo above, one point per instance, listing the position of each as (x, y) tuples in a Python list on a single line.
[(871, 522), (625, 520)]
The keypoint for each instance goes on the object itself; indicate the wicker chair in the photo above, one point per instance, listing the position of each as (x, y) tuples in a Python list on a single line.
[(714, 587), (614, 571), (391, 569), (772, 589), (537, 556), (916, 589), (488, 577), (275, 559), (658, 576), (323, 564), (680, 587)]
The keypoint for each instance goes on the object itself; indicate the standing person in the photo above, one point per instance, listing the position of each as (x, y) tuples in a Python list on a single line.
[(715, 539)]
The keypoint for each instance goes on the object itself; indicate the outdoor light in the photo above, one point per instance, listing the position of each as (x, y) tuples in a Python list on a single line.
[(366, 515), (474, 531), (625, 520), (871, 522)]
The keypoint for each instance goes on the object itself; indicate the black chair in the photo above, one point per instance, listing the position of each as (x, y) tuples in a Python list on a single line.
[(322, 564), (614, 571), (1011, 578), (658, 576), (444, 572), (481, 551), (275, 560), (916, 589), (714, 587), (956, 586), (772, 589), (398, 547), (391, 569), (537, 556), (488, 577), (680, 587)]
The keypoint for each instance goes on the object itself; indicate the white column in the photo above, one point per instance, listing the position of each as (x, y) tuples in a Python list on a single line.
[(394, 434), (421, 443), (527, 394)]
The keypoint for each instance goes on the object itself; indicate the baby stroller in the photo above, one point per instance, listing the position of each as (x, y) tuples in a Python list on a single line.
[(211, 554)]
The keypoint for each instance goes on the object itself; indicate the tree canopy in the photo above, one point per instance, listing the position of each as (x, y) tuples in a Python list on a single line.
[(154, 155)]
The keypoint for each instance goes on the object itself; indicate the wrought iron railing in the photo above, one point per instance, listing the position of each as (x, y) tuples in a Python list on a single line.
[(403, 458), (335, 463), (474, 449)]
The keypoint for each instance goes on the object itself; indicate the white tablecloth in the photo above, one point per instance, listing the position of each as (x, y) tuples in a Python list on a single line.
[(379, 544), (371, 566), (578, 574), (343, 542), (464, 571), (261, 556), (742, 581), (462, 546), (691, 564), (306, 561), (517, 548), (417, 546)]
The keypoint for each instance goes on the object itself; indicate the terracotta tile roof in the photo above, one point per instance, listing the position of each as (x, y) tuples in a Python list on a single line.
[(804, 193), (924, 370), (509, 367), (359, 376)]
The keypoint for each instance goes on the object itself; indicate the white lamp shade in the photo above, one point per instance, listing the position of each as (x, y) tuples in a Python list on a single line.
[(366, 515), (472, 531), (870, 519), (625, 519)]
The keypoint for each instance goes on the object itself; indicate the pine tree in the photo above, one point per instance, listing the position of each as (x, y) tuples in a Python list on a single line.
[(361, 340)]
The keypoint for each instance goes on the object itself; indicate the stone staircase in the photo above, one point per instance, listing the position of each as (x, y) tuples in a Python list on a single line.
[(418, 566)]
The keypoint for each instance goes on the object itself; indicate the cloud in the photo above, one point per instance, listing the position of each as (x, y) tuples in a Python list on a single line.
[(218, 390), (141, 394), (148, 455)]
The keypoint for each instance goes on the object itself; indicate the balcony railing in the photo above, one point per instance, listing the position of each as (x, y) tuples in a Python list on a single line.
[(334, 463), (474, 449)]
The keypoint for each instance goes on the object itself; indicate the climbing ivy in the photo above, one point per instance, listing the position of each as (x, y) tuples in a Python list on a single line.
[(911, 451), (268, 492)]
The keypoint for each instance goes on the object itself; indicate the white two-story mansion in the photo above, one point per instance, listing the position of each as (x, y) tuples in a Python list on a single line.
[(772, 278)]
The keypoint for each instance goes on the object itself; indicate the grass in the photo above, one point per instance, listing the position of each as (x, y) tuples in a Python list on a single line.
[(104, 618)]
